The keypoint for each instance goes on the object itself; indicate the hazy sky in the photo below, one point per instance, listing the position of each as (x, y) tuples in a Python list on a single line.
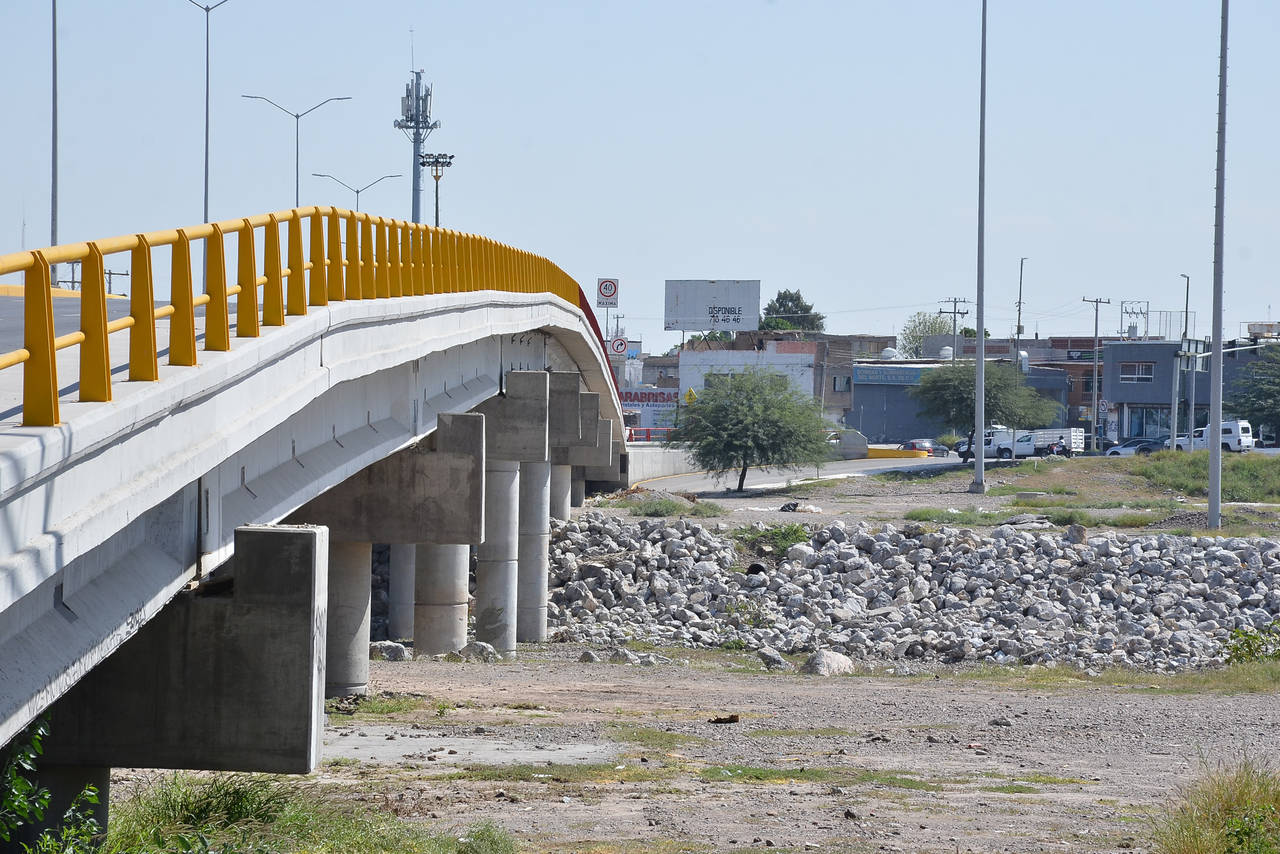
[(825, 146)]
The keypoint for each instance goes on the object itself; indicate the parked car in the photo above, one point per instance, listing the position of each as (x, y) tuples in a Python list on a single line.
[(1141, 446), (927, 445)]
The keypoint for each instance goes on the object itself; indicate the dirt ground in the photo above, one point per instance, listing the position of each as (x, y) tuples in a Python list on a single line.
[(608, 758), (892, 762)]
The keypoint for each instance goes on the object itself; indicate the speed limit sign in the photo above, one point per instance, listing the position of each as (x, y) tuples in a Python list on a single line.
[(618, 346), (606, 293)]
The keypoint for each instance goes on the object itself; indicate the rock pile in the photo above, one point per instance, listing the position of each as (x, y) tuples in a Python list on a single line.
[(1153, 601)]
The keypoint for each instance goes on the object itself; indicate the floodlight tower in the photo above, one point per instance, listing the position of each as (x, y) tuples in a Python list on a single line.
[(415, 121)]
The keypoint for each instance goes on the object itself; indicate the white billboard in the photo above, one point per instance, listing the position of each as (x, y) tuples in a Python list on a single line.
[(712, 305)]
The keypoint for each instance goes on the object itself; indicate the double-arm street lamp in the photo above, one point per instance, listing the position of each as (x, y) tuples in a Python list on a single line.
[(351, 188), (297, 122), (438, 163)]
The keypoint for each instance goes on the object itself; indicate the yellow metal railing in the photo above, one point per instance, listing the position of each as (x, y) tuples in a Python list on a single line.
[(385, 259)]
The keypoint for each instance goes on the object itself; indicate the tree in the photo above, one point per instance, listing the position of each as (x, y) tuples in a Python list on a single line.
[(972, 332), (917, 328), (788, 310), (948, 394), (1255, 394), (754, 418)]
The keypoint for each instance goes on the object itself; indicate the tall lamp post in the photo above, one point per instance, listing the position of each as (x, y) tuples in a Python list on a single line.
[(438, 163), (1177, 372), (979, 484), (297, 124), (351, 188), (207, 10)]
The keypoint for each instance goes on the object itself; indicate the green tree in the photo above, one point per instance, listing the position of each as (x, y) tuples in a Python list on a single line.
[(789, 310), (1255, 393), (917, 328), (948, 394), (753, 418), (972, 332)]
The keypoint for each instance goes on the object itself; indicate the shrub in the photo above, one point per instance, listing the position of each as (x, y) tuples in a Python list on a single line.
[(779, 537), (1230, 810), (1249, 645)]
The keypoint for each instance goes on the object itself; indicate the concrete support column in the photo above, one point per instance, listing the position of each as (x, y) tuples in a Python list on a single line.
[(440, 605), (400, 608), (578, 491), (347, 642), (535, 537), (561, 480), (496, 570)]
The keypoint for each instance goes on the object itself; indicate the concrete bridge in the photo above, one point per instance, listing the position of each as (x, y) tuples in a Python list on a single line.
[(190, 484)]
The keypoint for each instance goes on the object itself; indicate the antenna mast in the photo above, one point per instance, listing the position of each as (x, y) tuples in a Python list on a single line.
[(415, 121)]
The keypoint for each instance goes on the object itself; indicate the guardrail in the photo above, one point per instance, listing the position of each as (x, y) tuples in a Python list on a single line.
[(384, 259)]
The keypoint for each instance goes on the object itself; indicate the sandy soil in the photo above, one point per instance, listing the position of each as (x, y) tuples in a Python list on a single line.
[(907, 762)]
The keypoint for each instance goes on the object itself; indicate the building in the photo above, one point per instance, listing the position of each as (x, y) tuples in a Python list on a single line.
[(1138, 376), (883, 410)]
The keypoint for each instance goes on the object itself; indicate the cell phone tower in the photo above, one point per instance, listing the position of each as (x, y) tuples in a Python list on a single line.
[(415, 121)]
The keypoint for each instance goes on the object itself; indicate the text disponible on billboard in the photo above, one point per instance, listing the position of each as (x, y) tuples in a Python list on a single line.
[(702, 305)]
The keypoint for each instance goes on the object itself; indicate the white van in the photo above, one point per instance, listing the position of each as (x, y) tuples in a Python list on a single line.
[(1236, 436)]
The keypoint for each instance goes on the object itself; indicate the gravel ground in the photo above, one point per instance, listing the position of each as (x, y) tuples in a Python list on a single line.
[(909, 762)]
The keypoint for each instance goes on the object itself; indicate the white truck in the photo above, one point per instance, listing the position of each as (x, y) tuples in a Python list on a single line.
[(1236, 436), (1001, 442)]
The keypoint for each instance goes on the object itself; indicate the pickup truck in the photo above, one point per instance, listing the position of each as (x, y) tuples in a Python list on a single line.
[(1031, 443)]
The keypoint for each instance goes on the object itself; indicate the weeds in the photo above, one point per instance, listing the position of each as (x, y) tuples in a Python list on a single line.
[(1245, 477), (242, 814), (1247, 646), (833, 776), (668, 507), (1230, 810), (654, 739), (779, 537)]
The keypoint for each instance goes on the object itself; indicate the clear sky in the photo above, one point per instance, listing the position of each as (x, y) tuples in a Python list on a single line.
[(826, 146)]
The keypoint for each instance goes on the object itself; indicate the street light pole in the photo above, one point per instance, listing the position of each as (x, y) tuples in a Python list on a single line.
[(351, 188), (297, 125), (438, 163), (1215, 369), (1093, 441), (978, 446), (1177, 371), (53, 177), (1017, 331), (206, 10)]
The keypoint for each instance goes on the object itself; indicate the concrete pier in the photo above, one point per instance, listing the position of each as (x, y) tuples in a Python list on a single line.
[(578, 490), (496, 572), (561, 485), (347, 642), (535, 538), (400, 607), (440, 606)]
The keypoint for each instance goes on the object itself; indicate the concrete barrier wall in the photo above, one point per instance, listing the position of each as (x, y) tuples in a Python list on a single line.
[(648, 461)]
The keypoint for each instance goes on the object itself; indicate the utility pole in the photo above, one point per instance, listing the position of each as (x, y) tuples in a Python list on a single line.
[(955, 314), (1093, 442), (1215, 367), (1017, 332), (415, 121)]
